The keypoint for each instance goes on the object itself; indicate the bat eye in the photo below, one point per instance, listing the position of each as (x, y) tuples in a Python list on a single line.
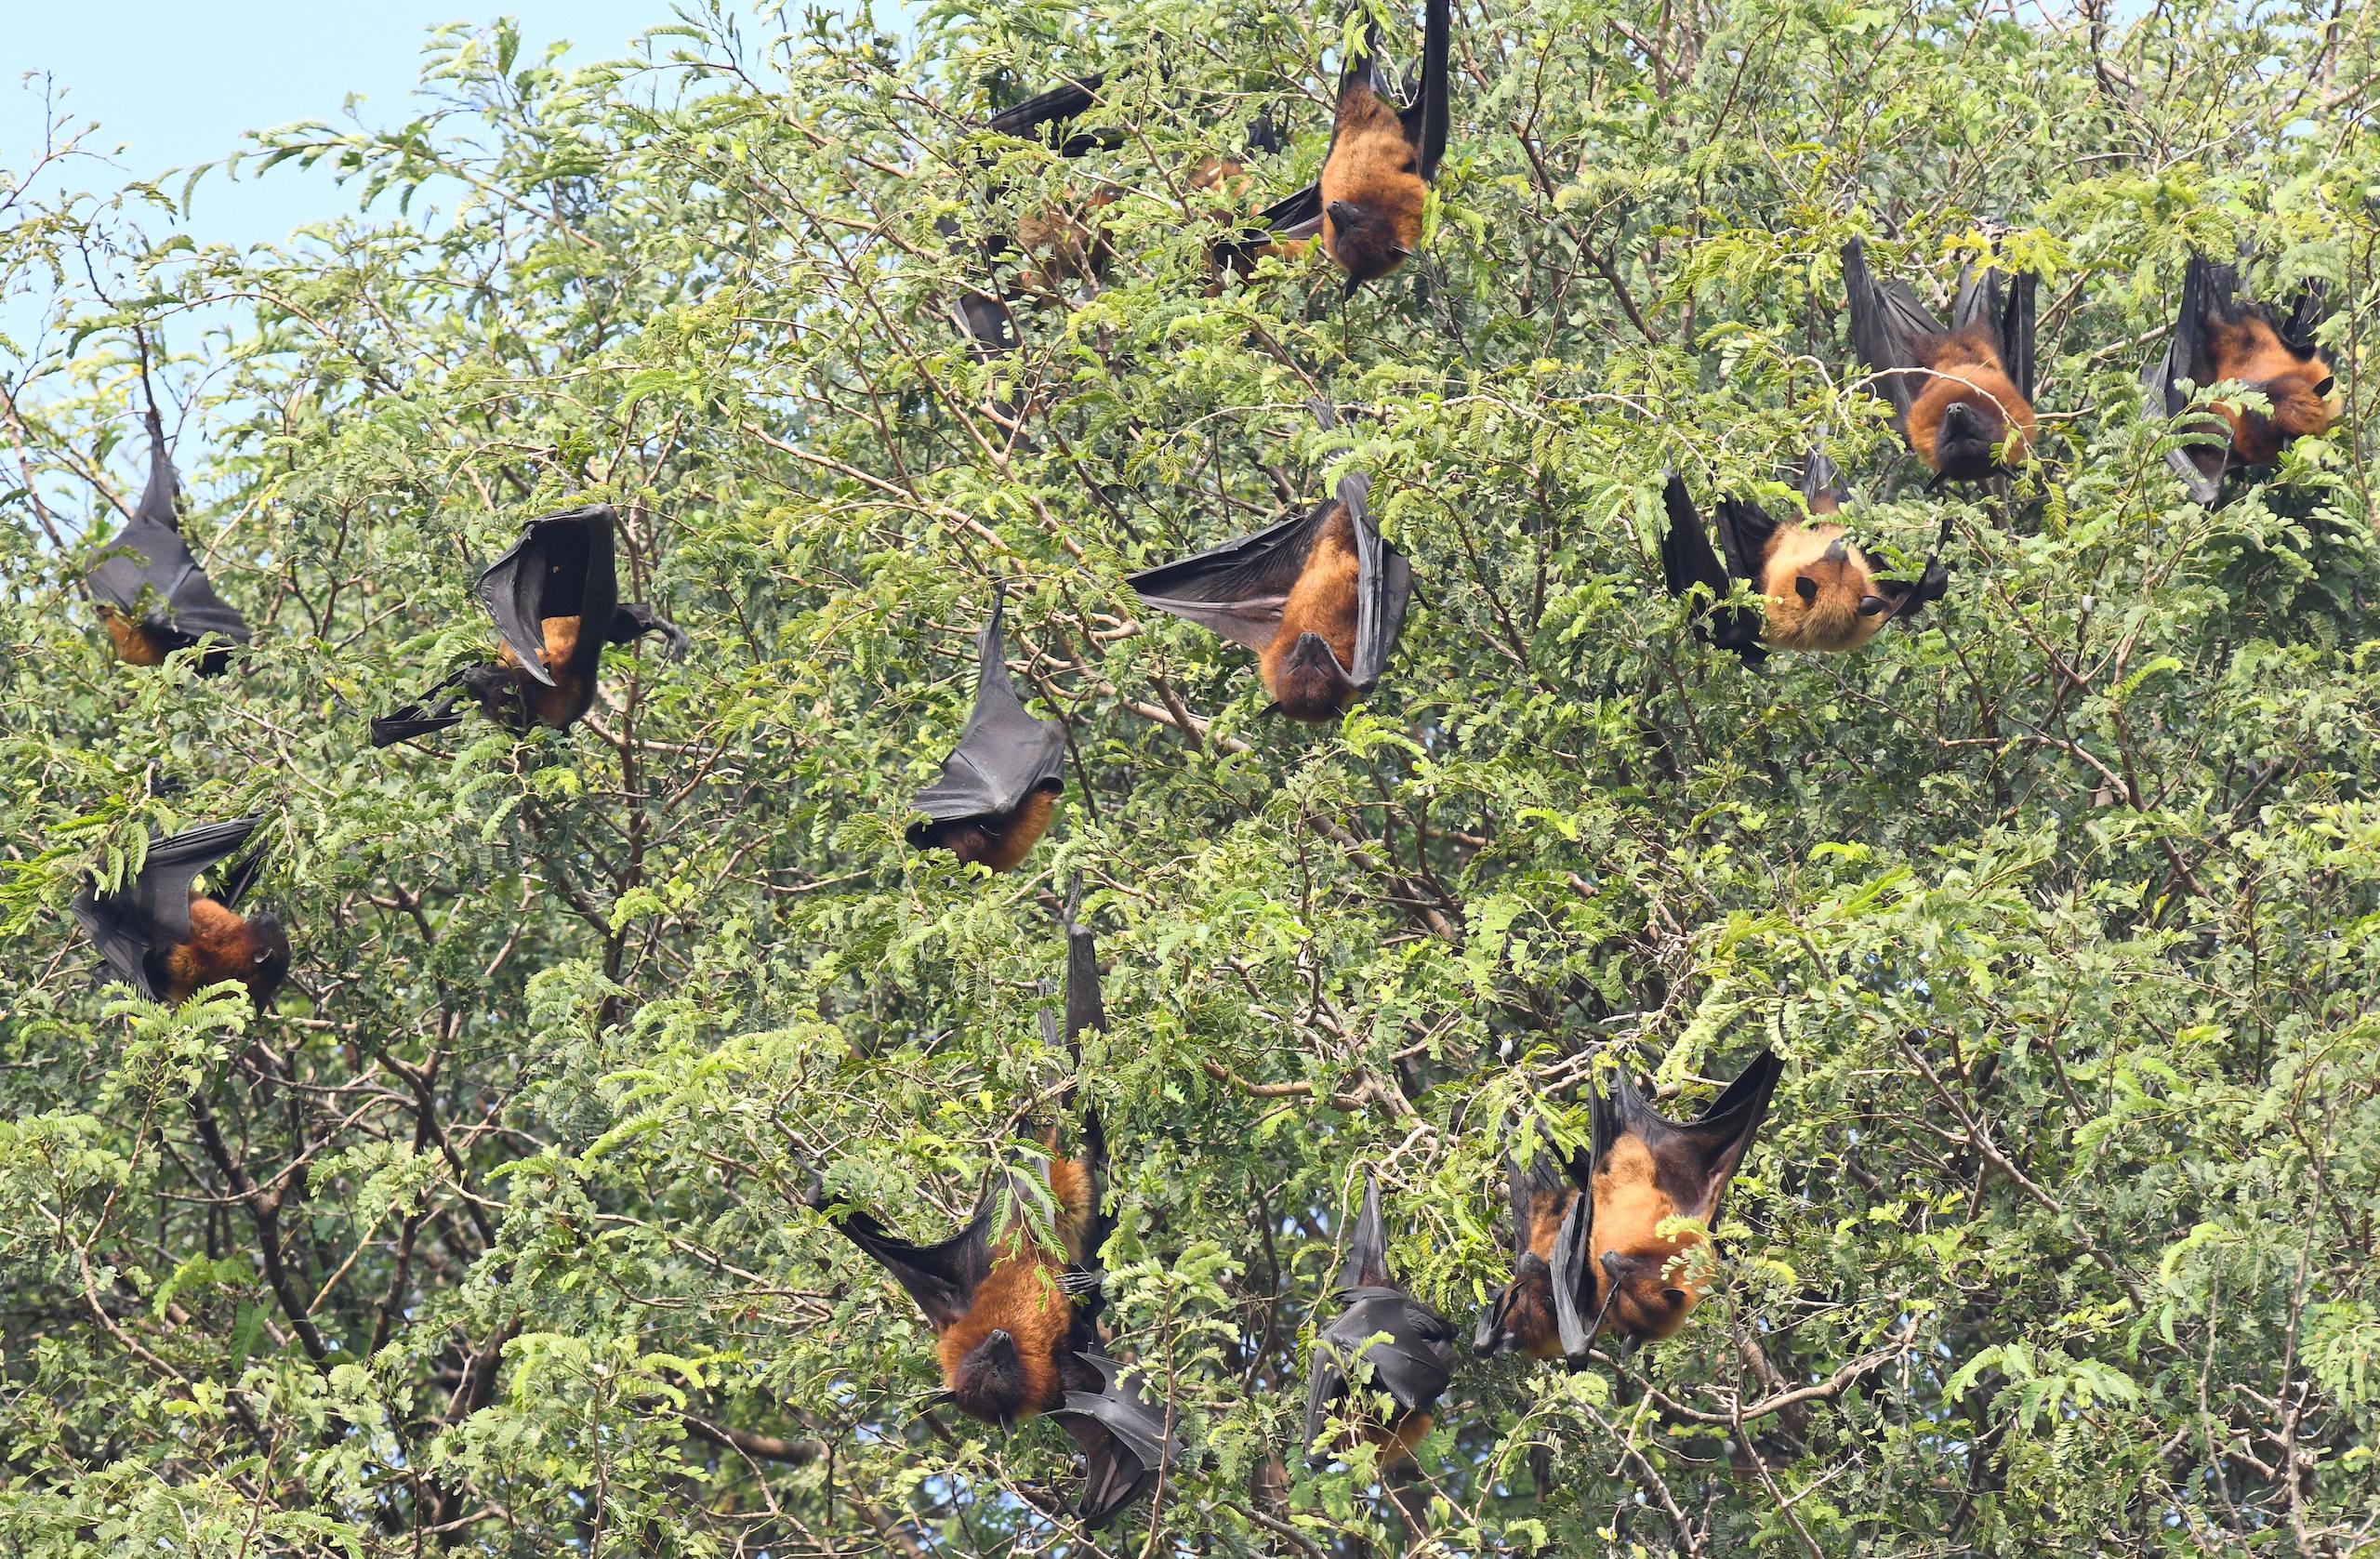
[(1870, 605), (2322, 390), (1805, 587)]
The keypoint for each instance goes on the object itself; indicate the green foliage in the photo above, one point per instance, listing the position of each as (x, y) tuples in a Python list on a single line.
[(2063, 905)]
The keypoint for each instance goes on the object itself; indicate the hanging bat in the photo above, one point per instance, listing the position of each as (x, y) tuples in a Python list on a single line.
[(555, 600), (1818, 589), (165, 940), (1956, 393), (1319, 597), (1367, 206), (1521, 1317), (1053, 245), (1009, 1316), (1412, 1361), (992, 802), (1649, 1168), (2221, 338), (154, 599)]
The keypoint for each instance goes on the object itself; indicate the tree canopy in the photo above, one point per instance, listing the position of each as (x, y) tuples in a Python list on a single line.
[(2061, 904)]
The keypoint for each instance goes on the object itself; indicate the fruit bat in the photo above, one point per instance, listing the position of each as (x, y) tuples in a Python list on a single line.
[(1521, 1317), (1368, 204), (2220, 338), (555, 598), (1010, 1319), (165, 940), (1411, 1362), (1649, 1168), (1051, 246), (1319, 597), (153, 598), (1819, 590), (992, 802), (1956, 392)]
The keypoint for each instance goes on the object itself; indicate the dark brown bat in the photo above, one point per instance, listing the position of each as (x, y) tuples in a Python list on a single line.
[(1522, 1316), (1957, 393), (555, 598), (165, 940), (1367, 206), (1818, 590), (1648, 1170), (994, 800), (1411, 1363), (154, 599), (1319, 597), (2219, 337)]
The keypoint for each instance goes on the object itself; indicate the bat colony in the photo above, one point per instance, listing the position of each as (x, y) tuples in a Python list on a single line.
[(1609, 1235)]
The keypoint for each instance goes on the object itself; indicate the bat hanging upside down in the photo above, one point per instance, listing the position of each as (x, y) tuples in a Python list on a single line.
[(2219, 337), (994, 800), (1957, 394), (168, 941)]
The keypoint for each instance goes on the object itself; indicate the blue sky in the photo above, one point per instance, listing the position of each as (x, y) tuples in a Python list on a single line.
[(176, 84)]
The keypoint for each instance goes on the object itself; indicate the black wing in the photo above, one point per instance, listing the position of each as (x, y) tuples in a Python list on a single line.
[(1043, 117), (1084, 1008), (1886, 323), (1745, 533), (1237, 589), (1688, 561), (1366, 1264), (1122, 1436), (2207, 289), (149, 572), (2306, 312), (1574, 1281), (1412, 1362), (1003, 754), (2007, 312), (560, 567), (1692, 1160), (1547, 1173), (1426, 122), (152, 912), (1823, 486), (943, 1277)]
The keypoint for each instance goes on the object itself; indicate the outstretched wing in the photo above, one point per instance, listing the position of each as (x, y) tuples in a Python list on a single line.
[(1043, 117), (1237, 589), (1692, 1160), (561, 567), (1886, 323), (943, 1277), (1003, 753)]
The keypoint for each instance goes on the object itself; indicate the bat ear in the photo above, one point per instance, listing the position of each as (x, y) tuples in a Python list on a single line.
[(2322, 390)]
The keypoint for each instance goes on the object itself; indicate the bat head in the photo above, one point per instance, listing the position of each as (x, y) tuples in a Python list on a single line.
[(1647, 1298), (1372, 237), (268, 958), (2299, 405), (1308, 683), (1822, 592), (1967, 408), (989, 1382), (1521, 1319)]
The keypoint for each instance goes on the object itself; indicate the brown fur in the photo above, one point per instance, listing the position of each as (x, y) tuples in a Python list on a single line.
[(1323, 601), (1968, 370), (1374, 169), (1022, 1295), (1653, 1302), (135, 645), (2249, 350), (1832, 619), (998, 842), (573, 692), (219, 948), (1397, 1438)]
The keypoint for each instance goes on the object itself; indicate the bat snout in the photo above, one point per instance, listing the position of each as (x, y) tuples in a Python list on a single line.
[(1343, 214)]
